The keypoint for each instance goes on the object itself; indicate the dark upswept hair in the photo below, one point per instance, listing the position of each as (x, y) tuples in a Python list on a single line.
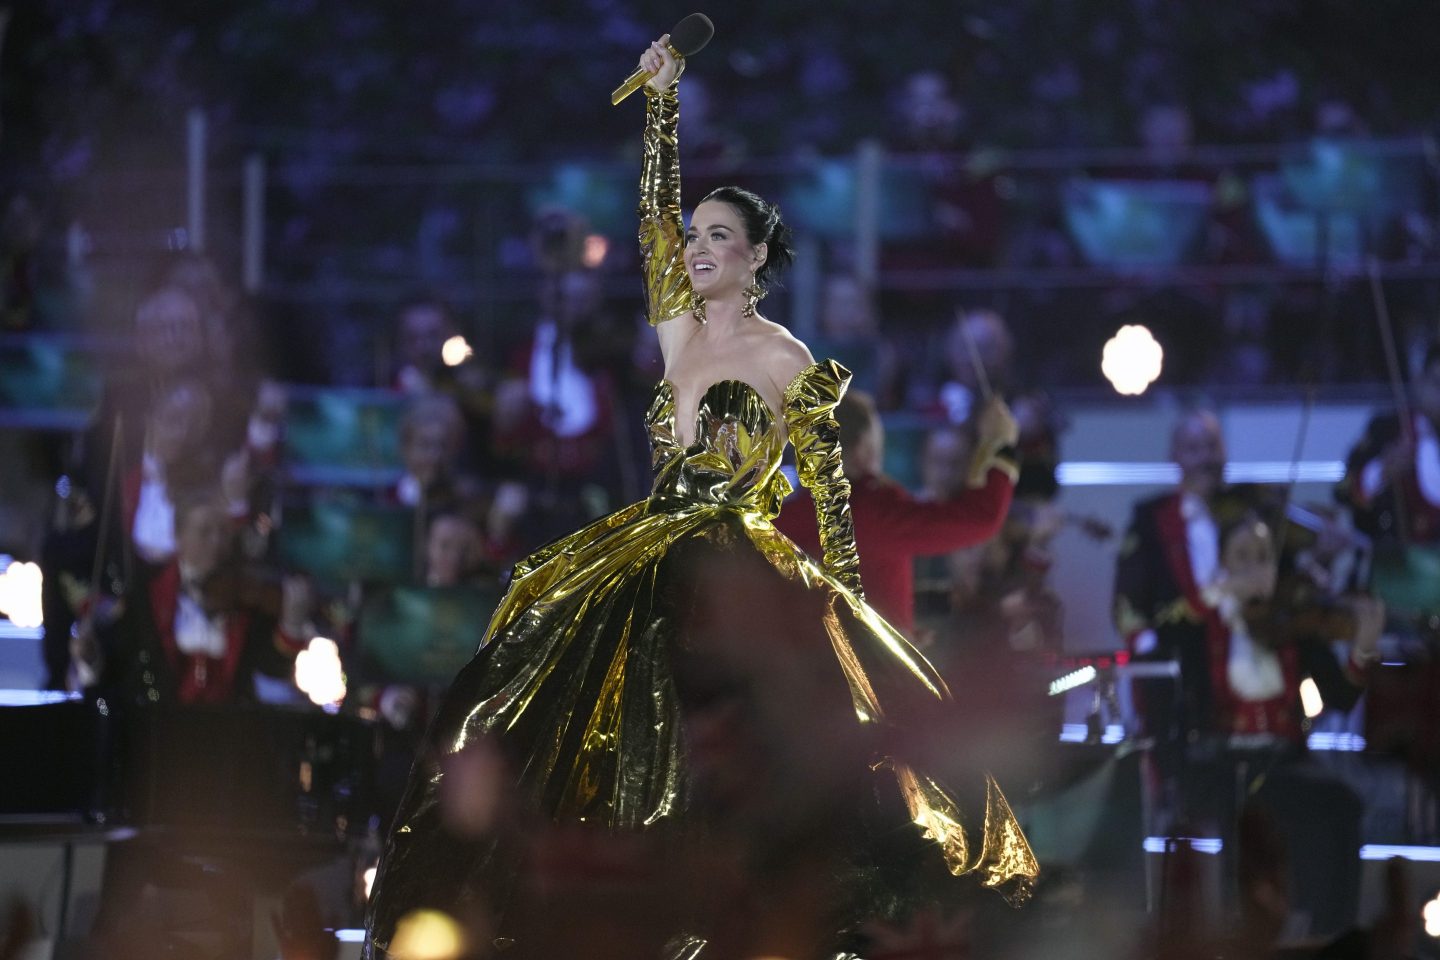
[(762, 225)]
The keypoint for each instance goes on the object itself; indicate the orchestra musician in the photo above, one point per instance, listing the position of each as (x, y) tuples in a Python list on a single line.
[(200, 631), (1198, 581)]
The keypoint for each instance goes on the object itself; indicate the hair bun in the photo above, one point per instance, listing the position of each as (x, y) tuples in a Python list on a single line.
[(763, 224)]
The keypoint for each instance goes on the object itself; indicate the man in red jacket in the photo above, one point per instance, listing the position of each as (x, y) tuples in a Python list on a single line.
[(892, 527)]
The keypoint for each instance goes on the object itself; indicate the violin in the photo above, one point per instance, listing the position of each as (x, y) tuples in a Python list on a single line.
[(1296, 610), (240, 586)]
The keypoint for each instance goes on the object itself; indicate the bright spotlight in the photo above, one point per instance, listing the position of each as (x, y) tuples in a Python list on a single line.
[(1310, 698), (369, 881), (456, 351), (20, 587), (319, 673), (1431, 914), (1071, 680), (427, 935), (1132, 360)]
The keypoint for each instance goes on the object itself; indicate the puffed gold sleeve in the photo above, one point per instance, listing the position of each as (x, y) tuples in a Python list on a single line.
[(662, 231), (810, 401)]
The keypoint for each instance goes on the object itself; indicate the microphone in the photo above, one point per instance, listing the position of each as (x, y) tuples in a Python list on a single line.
[(689, 36)]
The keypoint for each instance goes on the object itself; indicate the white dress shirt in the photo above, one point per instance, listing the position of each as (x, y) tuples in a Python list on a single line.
[(154, 529), (562, 391)]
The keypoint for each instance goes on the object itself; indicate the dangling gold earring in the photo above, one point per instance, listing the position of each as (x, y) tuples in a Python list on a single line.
[(753, 295), (697, 308)]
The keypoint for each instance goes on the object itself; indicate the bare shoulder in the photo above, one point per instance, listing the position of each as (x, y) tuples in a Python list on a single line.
[(782, 354)]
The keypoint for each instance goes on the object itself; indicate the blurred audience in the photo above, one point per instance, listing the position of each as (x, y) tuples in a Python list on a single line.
[(432, 434), (454, 550), (425, 326), (559, 402), (850, 332), (979, 354), (434, 356)]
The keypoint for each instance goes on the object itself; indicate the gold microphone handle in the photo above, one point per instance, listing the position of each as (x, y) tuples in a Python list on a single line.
[(638, 79)]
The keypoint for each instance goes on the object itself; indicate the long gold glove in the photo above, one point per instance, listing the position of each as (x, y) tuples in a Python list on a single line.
[(810, 402), (662, 230)]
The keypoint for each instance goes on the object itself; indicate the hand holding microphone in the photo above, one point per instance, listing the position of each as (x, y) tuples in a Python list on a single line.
[(665, 58), (661, 63)]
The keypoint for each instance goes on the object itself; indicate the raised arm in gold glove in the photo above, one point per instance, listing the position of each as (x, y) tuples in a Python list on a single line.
[(662, 231)]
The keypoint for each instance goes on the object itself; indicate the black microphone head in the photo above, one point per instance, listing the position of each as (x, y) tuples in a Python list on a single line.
[(691, 34)]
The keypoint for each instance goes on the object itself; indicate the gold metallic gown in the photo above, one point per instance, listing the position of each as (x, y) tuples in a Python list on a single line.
[(577, 679)]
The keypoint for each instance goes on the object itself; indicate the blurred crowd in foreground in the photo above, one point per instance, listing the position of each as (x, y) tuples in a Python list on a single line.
[(210, 522)]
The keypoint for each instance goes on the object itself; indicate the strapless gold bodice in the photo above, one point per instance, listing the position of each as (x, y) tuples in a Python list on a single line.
[(735, 457)]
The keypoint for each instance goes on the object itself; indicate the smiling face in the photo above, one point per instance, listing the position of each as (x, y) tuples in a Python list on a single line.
[(718, 256)]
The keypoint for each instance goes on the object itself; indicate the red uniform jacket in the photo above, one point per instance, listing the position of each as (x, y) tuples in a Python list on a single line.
[(892, 528)]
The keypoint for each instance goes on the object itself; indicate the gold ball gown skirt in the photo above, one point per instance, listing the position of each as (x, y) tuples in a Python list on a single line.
[(680, 670)]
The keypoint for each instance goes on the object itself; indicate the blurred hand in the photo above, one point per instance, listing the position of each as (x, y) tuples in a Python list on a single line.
[(270, 400), (398, 705), (235, 477), (995, 429), (1244, 585), (511, 501), (1333, 539), (995, 426), (662, 63), (1369, 624), (84, 647), (297, 600)]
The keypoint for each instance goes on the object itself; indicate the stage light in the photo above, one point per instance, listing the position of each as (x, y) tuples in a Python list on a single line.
[(20, 587), (596, 247), (1132, 360), (1431, 913), (320, 674), (1071, 680), (1206, 845), (369, 881), (427, 935), (456, 351), (1310, 698)]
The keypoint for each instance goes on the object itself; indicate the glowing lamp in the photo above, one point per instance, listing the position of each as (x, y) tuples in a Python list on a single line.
[(1132, 360), (456, 351), (427, 935), (20, 586), (319, 673)]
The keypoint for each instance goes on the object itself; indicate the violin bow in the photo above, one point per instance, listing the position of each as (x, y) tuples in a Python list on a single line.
[(982, 379), (107, 507), (1397, 383), (1306, 409)]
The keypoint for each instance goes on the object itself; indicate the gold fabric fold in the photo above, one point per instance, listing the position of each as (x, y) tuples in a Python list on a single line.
[(810, 402), (576, 675)]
